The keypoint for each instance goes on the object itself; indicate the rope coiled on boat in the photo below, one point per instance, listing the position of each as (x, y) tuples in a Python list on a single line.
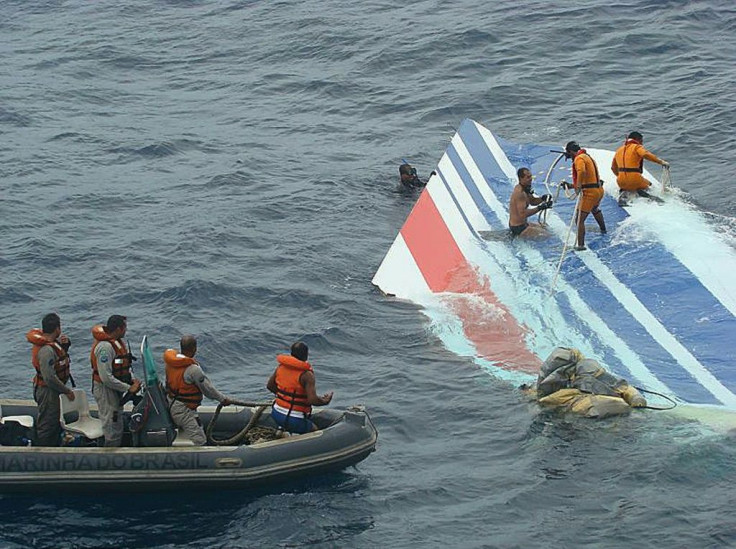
[(237, 438)]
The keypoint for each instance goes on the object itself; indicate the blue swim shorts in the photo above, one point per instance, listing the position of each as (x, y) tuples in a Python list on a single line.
[(298, 425)]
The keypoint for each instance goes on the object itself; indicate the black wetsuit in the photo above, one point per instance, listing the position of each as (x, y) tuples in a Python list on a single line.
[(413, 183)]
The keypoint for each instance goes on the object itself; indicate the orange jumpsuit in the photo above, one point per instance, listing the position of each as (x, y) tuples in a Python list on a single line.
[(585, 178), (628, 165)]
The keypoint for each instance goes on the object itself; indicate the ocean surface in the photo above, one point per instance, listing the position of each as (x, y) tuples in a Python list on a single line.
[(229, 169)]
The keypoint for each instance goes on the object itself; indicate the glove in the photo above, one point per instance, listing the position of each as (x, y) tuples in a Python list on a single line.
[(432, 173), (665, 164), (544, 205), (546, 198), (135, 386), (565, 184)]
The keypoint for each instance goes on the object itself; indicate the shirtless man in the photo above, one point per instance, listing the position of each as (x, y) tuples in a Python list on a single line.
[(521, 198)]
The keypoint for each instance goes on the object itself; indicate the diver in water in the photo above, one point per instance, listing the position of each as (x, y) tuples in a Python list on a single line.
[(409, 177), (522, 197)]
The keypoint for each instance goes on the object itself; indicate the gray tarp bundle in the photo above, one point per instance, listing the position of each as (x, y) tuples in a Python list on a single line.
[(568, 379)]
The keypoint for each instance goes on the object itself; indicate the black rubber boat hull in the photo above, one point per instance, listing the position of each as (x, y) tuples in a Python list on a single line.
[(347, 438)]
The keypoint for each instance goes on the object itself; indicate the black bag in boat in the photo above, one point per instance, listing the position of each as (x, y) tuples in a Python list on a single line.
[(13, 433)]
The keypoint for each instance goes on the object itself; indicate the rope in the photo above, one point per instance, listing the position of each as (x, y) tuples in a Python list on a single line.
[(565, 246), (579, 356), (569, 192), (665, 178), (646, 391), (240, 436)]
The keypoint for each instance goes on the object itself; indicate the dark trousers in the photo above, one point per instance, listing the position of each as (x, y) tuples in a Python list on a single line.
[(48, 428)]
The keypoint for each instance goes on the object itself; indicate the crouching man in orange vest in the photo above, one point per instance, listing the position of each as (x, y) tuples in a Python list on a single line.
[(295, 388), (186, 384), (628, 166)]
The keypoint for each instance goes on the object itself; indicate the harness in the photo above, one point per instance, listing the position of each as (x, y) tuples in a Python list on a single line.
[(597, 183), (290, 394), (640, 168), (61, 364), (294, 399)]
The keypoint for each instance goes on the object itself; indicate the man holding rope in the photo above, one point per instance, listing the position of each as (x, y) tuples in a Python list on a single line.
[(522, 197), (628, 166), (589, 187), (186, 384)]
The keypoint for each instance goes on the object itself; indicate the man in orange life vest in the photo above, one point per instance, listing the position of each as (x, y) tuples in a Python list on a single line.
[(585, 180), (294, 385), (111, 375), (628, 166), (186, 384), (50, 358)]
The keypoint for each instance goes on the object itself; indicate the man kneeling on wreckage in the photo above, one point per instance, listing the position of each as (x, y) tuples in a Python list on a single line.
[(574, 383)]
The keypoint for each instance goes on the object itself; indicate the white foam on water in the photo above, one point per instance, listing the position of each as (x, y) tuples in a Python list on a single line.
[(527, 298), (519, 274), (621, 292), (683, 230)]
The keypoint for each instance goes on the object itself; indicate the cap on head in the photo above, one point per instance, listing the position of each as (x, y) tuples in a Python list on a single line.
[(300, 350), (572, 147), (636, 135)]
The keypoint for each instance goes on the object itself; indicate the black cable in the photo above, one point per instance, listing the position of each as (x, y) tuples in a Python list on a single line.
[(646, 391)]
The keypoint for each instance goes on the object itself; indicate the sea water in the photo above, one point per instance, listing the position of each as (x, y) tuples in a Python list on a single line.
[(228, 169)]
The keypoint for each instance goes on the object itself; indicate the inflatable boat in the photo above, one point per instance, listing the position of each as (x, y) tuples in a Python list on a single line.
[(245, 447), (345, 438), (652, 300)]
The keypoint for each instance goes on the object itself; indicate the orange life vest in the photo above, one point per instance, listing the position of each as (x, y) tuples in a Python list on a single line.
[(121, 363), (38, 339), (176, 387), (592, 180), (290, 393)]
